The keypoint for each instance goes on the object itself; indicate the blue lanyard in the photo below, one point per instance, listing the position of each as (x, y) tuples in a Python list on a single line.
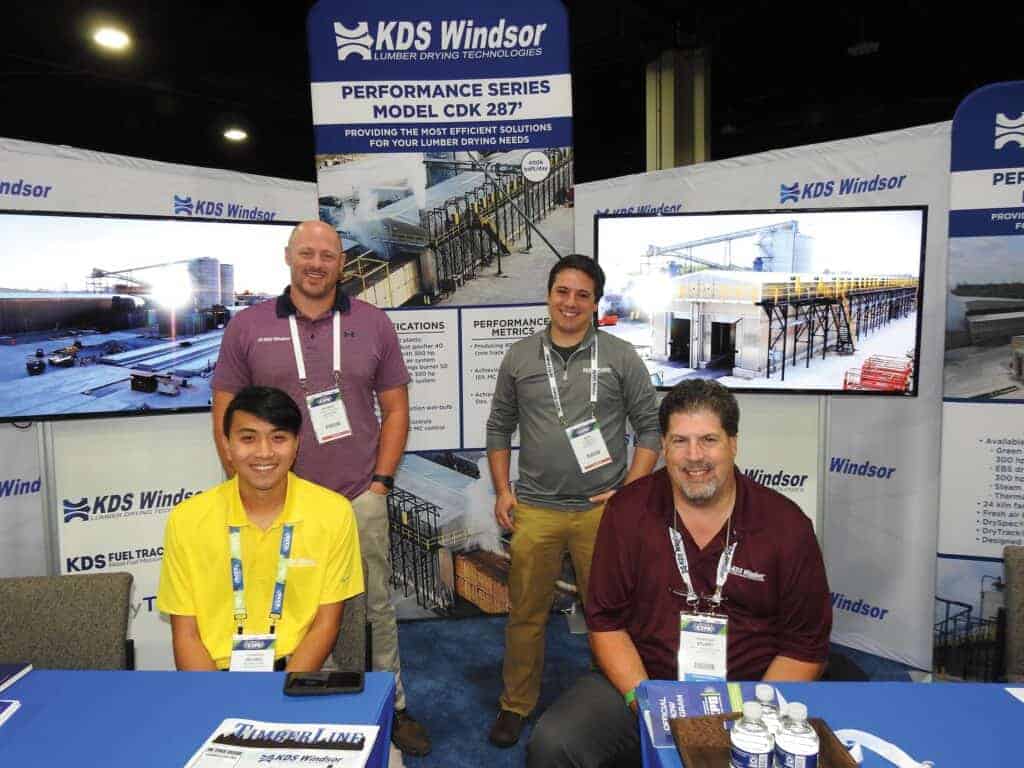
[(238, 583)]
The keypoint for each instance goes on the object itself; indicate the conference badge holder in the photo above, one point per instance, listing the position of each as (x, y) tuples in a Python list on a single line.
[(252, 653), (588, 445), (328, 415), (703, 639), (327, 408), (255, 653), (585, 437)]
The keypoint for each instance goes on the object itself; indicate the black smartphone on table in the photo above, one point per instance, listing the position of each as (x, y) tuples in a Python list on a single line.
[(322, 683)]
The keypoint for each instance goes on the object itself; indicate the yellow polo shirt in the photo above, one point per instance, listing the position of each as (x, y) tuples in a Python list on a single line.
[(195, 577)]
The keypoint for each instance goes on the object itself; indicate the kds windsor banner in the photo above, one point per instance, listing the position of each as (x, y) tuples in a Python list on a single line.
[(443, 137), (443, 144), (449, 77), (982, 478)]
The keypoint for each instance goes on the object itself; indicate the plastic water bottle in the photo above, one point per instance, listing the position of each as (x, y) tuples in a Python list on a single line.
[(751, 741), (796, 745), (783, 716), (769, 712)]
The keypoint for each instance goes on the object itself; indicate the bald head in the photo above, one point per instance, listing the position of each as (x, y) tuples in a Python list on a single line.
[(315, 257), (308, 228)]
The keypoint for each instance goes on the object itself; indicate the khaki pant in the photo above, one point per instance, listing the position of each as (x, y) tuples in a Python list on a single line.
[(540, 539), (371, 510)]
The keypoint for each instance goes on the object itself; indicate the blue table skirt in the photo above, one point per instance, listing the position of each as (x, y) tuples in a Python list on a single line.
[(154, 719)]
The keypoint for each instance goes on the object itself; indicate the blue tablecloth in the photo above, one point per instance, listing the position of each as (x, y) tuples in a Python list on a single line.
[(952, 725), (161, 718)]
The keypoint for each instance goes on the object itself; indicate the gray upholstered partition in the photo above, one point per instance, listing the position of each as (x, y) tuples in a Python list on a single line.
[(1013, 562), (66, 622), (350, 649)]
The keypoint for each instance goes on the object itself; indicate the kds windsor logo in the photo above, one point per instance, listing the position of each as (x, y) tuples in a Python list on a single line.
[(841, 465), (182, 206), (76, 510), (17, 486), (219, 209), (851, 185), (23, 188), (415, 40), (779, 479), (355, 42), (789, 193), (1009, 131), (114, 505)]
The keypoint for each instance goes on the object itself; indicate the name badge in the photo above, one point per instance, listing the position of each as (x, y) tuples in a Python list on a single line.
[(252, 653), (588, 445), (702, 647), (328, 415)]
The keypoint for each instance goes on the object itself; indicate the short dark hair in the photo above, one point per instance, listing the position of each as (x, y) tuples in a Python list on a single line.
[(692, 395), (268, 403), (584, 264)]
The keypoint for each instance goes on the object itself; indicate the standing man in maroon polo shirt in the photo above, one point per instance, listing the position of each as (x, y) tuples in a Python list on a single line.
[(333, 355), (694, 538)]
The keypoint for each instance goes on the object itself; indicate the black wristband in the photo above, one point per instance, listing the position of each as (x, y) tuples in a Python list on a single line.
[(388, 481)]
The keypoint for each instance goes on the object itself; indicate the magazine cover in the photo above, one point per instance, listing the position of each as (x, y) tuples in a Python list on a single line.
[(239, 743)]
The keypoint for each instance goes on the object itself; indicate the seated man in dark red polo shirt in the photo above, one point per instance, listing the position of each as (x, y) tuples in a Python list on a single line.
[(694, 537)]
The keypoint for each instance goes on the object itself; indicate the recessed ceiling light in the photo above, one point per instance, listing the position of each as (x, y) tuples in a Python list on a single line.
[(111, 38), (235, 134), (863, 48)]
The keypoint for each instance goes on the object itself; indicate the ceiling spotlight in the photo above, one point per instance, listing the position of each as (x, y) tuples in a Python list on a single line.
[(111, 38), (235, 134), (863, 48)]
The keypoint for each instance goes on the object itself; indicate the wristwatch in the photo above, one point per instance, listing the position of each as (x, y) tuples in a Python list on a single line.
[(388, 481)]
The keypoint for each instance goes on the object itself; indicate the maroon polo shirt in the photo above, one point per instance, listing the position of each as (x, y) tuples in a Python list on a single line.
[(776, 596), (257, 350)]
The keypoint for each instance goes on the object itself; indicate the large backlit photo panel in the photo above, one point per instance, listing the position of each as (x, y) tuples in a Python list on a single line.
[(791, 301), (118, 315)]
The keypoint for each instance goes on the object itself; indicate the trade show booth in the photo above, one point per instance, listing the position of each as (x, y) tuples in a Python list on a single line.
[(862, 297)]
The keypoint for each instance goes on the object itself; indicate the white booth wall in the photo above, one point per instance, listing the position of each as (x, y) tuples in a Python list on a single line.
[(879, 535)]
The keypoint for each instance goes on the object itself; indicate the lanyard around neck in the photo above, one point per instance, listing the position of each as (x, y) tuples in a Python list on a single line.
[(238, 583), (549, 368), (683, 564), (300, 363)]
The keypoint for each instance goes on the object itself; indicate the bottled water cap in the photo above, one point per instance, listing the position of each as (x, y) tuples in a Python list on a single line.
[(751, 710), (797, 711), (764, 692)]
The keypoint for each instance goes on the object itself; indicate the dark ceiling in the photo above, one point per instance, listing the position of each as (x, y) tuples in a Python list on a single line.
[(781, 76)]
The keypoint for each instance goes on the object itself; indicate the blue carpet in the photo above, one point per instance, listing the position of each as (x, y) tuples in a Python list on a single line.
[(452, 674), (875, 667)]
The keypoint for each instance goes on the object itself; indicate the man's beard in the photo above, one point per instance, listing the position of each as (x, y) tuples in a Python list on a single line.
[(696, 491)]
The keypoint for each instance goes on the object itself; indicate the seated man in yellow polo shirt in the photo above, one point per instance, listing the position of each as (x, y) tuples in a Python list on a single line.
[(255, 570)]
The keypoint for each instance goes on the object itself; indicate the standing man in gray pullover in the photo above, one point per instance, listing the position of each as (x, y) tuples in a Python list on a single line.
[(569, 389)]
